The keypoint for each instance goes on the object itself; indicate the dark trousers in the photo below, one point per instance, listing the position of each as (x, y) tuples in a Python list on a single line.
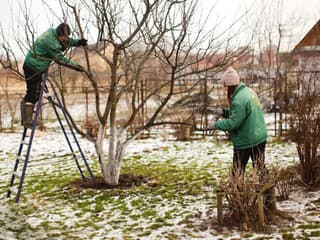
[(33, 80), (241, 158)]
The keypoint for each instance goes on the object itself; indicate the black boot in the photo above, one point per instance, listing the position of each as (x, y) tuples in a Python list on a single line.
[(26, 114)]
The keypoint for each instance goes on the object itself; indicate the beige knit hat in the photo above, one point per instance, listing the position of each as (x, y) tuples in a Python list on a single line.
[(230, 77)]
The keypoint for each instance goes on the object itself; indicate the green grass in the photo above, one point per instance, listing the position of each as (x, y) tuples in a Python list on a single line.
[(173, 185), (137, 211), (309, 226)]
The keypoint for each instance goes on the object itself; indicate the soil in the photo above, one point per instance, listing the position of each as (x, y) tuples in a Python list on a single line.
[(125, 181)]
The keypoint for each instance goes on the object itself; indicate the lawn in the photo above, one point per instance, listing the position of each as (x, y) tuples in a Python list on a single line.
[(173, 197)]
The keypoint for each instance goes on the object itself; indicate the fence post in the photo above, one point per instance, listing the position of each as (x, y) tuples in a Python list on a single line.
[(0, 114), (260, 209), (87, 106), (219, 206)]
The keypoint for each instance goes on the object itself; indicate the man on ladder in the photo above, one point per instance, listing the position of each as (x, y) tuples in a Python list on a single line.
[(48, 47)]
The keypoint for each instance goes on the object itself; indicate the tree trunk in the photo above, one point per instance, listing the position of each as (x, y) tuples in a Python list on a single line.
[(110, 169), (99, 150), (116, 150)]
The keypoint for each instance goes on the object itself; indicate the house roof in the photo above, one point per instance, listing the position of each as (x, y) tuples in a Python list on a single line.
[(311, 39)]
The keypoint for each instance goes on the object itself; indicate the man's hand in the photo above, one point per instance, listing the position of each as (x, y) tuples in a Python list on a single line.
[(83, 42)]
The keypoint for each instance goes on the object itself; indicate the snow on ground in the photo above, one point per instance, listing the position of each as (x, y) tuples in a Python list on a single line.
[(186, 174)]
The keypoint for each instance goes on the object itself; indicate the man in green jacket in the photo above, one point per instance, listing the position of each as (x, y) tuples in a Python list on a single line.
[(245, 124), (48, 47)]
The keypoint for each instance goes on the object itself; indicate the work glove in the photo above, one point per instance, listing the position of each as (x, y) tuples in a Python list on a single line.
[(222, 112), (83, 42), (212, 124), (219, 112)]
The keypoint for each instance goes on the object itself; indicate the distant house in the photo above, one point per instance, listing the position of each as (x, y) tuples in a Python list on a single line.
[(306, 60), (306, 54)]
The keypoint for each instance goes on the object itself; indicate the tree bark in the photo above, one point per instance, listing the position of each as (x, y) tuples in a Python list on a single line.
[(99, 150), (116, 151)]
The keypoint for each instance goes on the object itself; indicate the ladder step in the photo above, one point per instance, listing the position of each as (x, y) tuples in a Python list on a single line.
[(16, 174), (20, 158), (25, 142), (13, 190)]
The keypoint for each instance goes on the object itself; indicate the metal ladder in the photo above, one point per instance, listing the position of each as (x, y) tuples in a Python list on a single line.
[(20, 174)]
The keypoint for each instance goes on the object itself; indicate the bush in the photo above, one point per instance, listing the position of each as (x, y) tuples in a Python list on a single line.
[(305, 131), (241, 194), (285, 178)]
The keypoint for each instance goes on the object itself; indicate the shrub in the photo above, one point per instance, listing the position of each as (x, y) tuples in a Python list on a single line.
[(241, 194), (305, 131), (285, 179)]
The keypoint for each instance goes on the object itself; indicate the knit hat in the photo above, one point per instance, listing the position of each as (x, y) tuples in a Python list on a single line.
[(230, 77), (63, 30)]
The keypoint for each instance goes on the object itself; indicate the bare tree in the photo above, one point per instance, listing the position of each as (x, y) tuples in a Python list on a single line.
[(10, 66), (120, 28), (133, 38), (305, 127), (274, 39), (148, 30)]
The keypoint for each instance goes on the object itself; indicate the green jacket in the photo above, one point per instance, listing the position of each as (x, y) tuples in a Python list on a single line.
[(246, 123), (46, 49)]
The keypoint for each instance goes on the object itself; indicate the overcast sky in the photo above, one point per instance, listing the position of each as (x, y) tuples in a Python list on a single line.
[(308, 11)]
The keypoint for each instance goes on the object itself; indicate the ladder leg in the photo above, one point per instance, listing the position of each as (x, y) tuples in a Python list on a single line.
[(18, 159), (35, 122), (26, 160), (72, 132), (66, 136)]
